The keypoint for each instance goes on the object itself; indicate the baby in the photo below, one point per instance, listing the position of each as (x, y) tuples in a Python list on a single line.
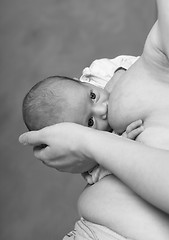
[(100, 76), (61, 99)]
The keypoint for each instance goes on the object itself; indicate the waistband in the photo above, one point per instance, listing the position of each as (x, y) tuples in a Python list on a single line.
[(85, 230)]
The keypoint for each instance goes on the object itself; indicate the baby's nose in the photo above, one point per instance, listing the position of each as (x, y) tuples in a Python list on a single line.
[(100, 110)]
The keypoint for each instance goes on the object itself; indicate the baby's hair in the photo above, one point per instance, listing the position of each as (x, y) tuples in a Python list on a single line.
[(45, 103)]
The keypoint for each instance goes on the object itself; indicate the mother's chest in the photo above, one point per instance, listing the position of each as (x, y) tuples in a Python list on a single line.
[(128, 102)]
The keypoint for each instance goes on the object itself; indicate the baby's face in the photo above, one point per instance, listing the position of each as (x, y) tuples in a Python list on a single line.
[(88, 106)]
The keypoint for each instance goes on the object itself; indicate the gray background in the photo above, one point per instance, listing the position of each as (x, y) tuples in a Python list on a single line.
[(39, 38)]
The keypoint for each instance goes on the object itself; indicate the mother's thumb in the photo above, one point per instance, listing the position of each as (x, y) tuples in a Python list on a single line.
[(30, 138)]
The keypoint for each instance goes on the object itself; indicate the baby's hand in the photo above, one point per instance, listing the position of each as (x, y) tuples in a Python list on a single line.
[(133, 130)]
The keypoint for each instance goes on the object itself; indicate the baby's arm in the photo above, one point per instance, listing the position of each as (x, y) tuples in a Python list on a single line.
[(133, 130)]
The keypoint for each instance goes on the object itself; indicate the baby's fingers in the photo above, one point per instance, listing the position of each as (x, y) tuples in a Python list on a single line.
[(134, 125), (134, 133)]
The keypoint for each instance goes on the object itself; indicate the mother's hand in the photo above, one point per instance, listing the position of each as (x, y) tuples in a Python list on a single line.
[(61, 146)]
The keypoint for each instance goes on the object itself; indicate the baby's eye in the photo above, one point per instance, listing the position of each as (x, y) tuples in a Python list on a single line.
[(90, 122), (92, 95)]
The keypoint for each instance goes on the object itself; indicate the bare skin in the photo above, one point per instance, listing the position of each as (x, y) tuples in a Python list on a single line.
[(141, 93), (122, 210), (135, 200)]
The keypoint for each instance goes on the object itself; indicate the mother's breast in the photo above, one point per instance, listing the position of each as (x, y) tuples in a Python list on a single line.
[(125, 106), (156, 136), (112, 204), (130, 98), (104, 202)]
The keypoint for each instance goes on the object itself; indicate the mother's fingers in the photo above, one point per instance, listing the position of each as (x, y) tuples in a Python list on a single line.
[(44, 154), (56, 160), (41, 152)]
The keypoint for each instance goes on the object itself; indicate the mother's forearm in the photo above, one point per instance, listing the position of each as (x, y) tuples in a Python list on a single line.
[(144, 169)]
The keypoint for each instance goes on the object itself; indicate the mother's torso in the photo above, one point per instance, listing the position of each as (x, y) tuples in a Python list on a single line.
[(141, 94)]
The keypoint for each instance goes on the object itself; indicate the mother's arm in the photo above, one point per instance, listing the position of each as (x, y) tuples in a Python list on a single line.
[(156, 48), (72, 147), (163, 23)]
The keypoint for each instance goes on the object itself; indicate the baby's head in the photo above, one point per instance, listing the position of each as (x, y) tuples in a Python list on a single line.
[(59, 99), (46, 102)]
